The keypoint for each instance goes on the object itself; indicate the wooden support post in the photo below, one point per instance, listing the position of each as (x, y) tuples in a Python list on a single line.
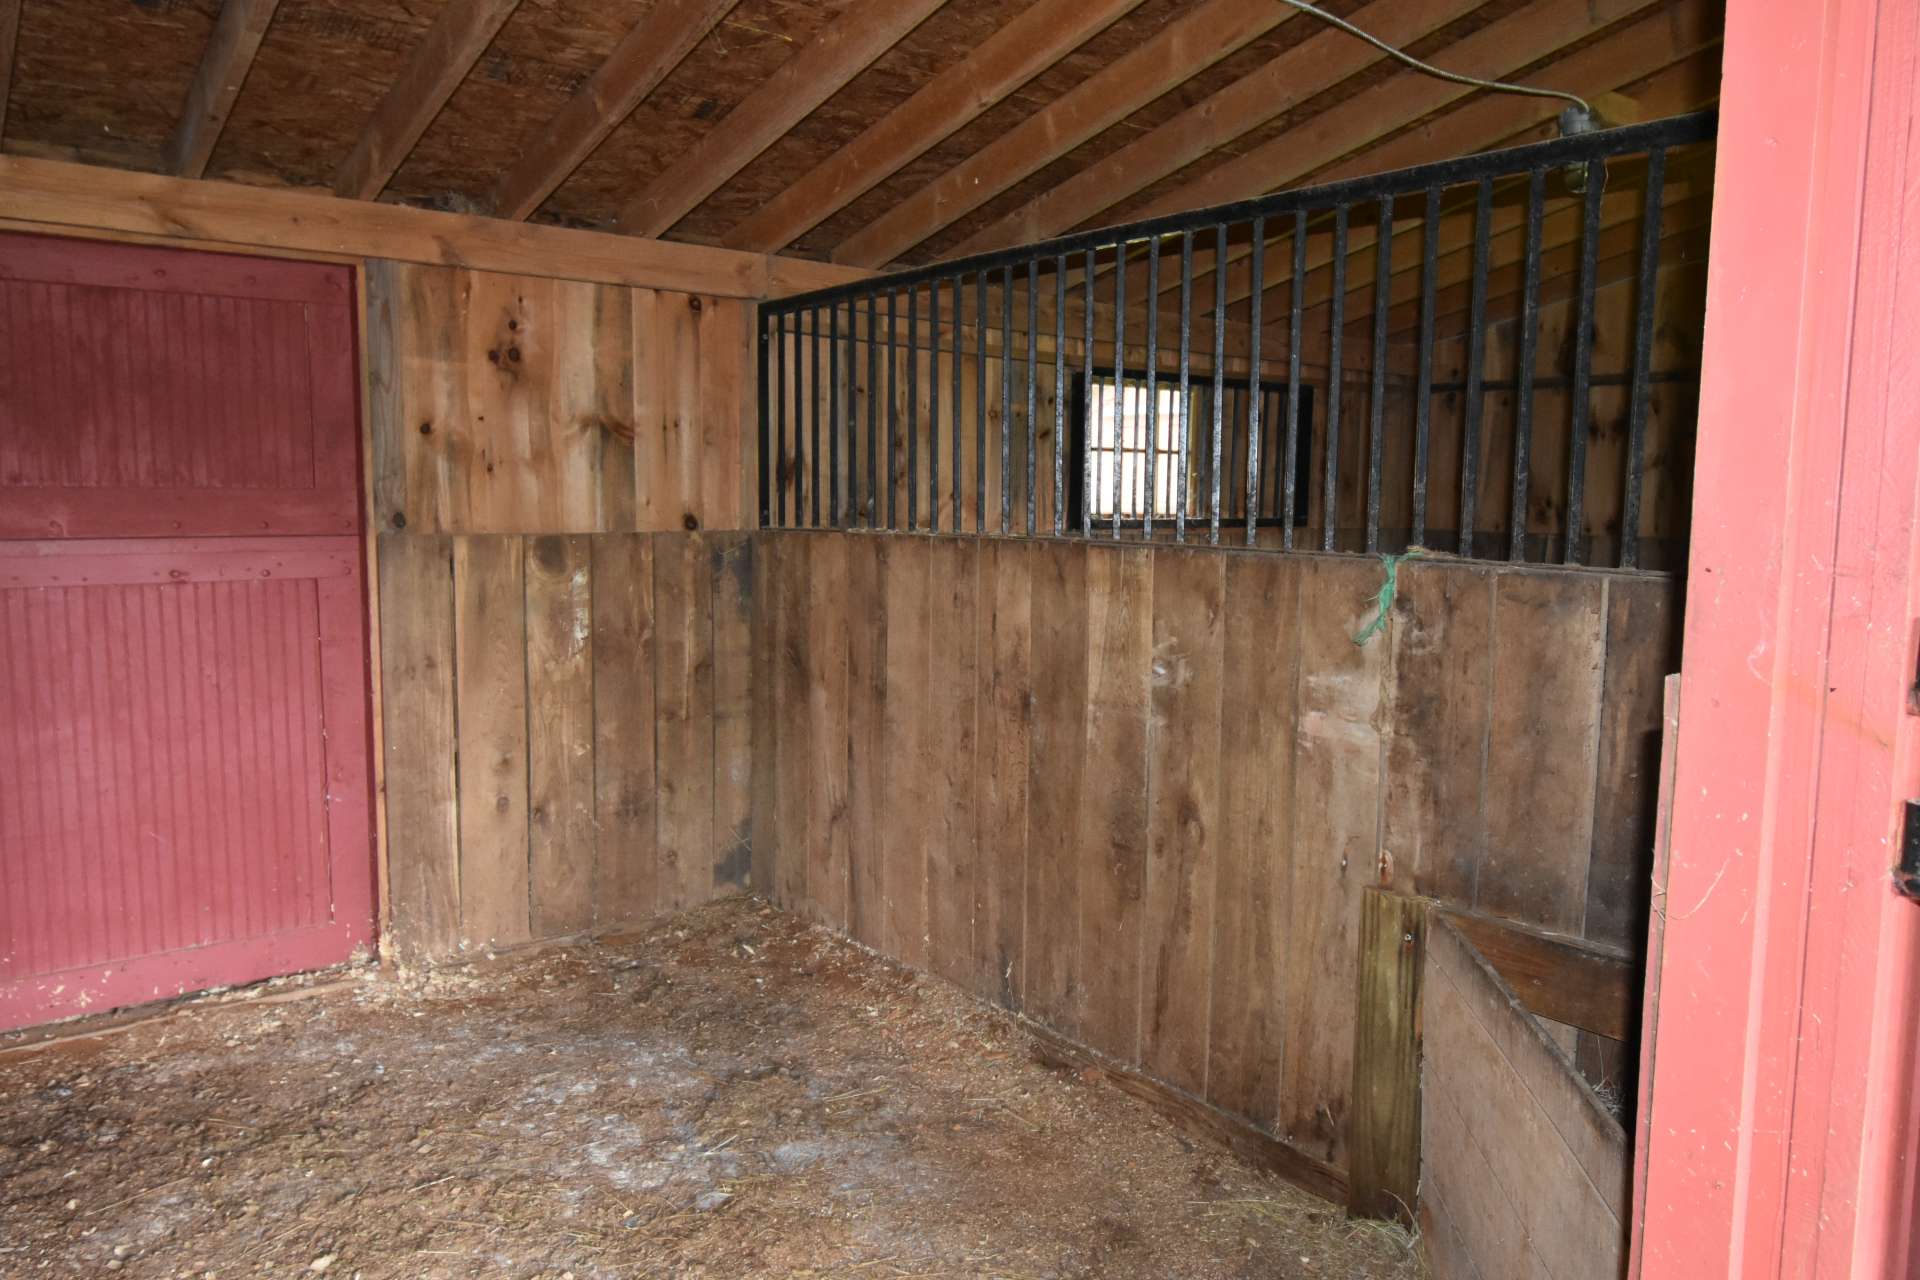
[(1383, 1139)]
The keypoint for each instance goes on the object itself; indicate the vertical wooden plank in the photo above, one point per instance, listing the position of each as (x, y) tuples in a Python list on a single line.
[(511, 350), (907, 816), (490, 682), (953, 753), (387, 424), (1336, 803), (592, 475), (1439, 695), (1251, 907), (722, 332), (1003, 751), (825, 691), (560, 783), (1183, 789), (1548, 640), (623, 714), (868, 803), (1383, 1177), (1113, 803), (666, 392), (793, 757), (416, 687), (683, 620), (437, 438), (1642, 647), (1054, 993), (768, 556), (731, 556)]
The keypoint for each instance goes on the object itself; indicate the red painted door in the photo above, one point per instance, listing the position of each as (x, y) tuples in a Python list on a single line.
[(185, 794)]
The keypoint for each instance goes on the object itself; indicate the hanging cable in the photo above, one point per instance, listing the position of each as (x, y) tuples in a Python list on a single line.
[(1427, 68)]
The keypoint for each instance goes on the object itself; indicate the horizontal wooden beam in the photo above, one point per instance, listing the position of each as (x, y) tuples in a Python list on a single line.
[(648, 53), (1566, 979), (55, 195), (433, 71), (858, 36)]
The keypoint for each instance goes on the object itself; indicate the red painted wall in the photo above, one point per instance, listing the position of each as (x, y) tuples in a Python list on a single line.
[(1780, 1132)]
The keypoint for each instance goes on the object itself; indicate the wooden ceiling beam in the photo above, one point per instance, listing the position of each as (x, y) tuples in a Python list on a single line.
[(236, 37), (1183, 49), (1540, 30), (648, 53), (1306, 69), (442, 59), (1688, 28), (1033, 41), (49, 195), (845, 49), (9, 37)]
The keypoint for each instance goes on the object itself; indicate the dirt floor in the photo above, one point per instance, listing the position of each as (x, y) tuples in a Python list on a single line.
[(734, 1096)]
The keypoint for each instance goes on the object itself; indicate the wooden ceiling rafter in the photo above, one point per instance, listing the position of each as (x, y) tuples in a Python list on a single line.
[(435, 68), (1183, 49), (857, 37), (1297, 74), (1614, 60), (236, 37), (1033, 41), (645, 56)]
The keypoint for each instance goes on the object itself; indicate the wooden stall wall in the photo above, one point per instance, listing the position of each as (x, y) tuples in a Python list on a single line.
[(568, 732), (564, 615), (1135, 793), (1522, 1171)]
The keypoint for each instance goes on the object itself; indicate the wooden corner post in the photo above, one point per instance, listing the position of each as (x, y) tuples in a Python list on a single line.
[(1384, 1126)]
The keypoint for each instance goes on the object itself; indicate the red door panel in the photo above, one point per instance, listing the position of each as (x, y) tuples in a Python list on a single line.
[(184, 763)]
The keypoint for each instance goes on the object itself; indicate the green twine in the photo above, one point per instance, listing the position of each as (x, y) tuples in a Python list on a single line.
[(1384, 600)]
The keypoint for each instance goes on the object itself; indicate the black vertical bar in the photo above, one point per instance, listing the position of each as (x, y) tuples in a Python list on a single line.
[(1255, 391), (1219, 373), (833, 415), (959, 339), (934, 405), (1086, 380), (1583, 361), (1059, 395), (850, 506), (1006, 399), (1476, 368), (1033, 406), (1329, 492), (873, 411), (766, 489), (1529, 339), (1153, 387), (1296, 295), (1423, 388), (780, 423), (893, 409), (813, 383), (1377, 396), (980, 409), (1184, 479), (1642, 356), (913, 409), (1119, 373)]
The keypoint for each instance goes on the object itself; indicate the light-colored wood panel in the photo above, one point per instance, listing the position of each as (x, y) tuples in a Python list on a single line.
[(868, 637), (1055, 974), (1004, 745), (490, 683), (907, 821), (623, 737), (683, 725), (560, 747), (953, 854)]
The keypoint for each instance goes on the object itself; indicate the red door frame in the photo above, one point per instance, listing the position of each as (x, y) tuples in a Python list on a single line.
[(1782, 1125)]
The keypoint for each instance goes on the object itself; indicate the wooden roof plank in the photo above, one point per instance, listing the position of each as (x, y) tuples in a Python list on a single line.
[(1183, 49), (1295, 75), (9, 36), (434, 70), (1033, 41), (236, 37), (49, 194), (648, 53), (803, 82)]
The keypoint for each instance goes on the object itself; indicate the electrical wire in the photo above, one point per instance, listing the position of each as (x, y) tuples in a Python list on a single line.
[(1497, 86)]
